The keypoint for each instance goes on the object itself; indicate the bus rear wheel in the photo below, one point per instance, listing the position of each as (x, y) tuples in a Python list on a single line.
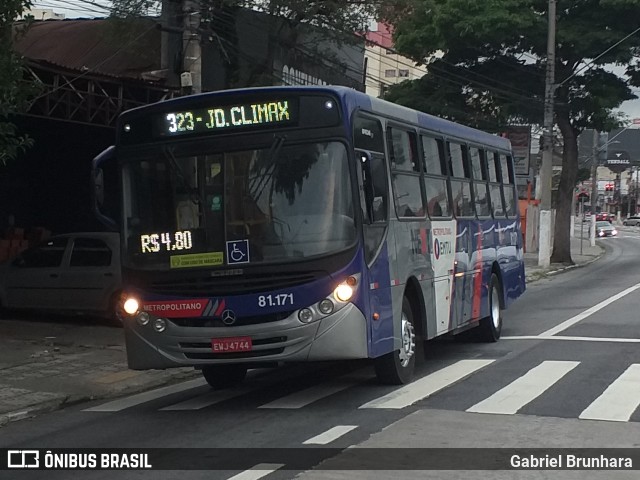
[(396, 368), (490, 327), (224, 376)]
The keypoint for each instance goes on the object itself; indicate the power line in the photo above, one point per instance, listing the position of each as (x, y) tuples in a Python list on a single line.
[(591, 63)]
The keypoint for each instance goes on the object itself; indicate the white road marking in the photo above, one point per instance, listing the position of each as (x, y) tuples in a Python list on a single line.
[(523, 390), (257, 471), (330, 435), (590, 311), (427, 385), (133, 400), (574, 339), (318, 392), (618, 402), (208, 399)]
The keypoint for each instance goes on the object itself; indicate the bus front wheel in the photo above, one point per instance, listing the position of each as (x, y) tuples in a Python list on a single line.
[(491, 326), (396, 368), (224, 376)]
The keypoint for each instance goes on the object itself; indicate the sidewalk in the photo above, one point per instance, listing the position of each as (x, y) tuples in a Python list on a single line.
[(589, 254), (47, 364)]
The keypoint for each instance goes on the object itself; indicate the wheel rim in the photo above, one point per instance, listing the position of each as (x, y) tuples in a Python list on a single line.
[(408, 341), (495, 308)]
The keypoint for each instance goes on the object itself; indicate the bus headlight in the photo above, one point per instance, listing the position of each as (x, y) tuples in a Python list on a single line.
[(143, 318), (336, 301), (343, 292), (305, 315), (131, 306), (159, 324), (325, 306)]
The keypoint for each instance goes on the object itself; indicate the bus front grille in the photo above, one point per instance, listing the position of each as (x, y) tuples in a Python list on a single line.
[(205, 322)]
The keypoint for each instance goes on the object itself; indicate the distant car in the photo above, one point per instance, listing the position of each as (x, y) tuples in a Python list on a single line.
[(633, 221), (603, 216), (605, 229), (71, 273)]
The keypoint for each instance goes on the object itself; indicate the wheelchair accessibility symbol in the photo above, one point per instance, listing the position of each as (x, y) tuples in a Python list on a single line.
[(238, 251)]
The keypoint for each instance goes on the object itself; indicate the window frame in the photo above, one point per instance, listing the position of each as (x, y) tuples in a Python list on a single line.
[(484, 182), (443, 175), (415, 173), (104, 246), (465, 179), (492, 184), (381, 227)]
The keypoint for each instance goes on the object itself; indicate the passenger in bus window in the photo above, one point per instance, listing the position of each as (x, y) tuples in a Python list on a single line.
[(436, 209)]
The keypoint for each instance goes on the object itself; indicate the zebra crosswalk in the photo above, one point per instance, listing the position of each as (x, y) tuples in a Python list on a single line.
[(618, 401)]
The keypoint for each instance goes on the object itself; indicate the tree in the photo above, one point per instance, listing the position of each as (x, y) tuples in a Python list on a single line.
[(492, 69), (14, 93), (339, 21)]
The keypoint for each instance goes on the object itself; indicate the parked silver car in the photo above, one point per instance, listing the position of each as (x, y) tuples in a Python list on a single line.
[(71, 273), (633, 221)]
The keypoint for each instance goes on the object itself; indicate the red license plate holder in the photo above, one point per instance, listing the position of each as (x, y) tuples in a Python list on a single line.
[(231, 344)]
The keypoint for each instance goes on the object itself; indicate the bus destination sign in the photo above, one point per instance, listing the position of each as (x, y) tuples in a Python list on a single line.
[(217, 119)]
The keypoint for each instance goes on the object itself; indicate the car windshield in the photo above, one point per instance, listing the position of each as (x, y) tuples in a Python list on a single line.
[(273, 204), (603, 225)]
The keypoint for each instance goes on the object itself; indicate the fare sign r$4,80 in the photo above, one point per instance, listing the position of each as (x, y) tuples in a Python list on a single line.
[(231, 116)]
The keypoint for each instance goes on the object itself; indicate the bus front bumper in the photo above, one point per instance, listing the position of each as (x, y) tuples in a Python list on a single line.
[(339, 336)]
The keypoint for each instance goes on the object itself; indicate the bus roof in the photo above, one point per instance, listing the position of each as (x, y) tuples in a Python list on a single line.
[(354, 99)]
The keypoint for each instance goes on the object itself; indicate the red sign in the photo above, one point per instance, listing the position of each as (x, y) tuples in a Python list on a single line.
[(177, 308), (231, 344)]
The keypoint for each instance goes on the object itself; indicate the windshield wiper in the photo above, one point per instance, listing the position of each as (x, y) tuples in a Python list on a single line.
[(194, 193)]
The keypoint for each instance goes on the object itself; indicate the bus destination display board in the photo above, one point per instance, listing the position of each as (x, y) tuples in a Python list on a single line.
[(218, 119)]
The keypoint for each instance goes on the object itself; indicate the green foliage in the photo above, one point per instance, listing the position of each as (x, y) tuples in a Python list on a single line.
[(341, 17), (494, 56), (13, 93), (493, 64)]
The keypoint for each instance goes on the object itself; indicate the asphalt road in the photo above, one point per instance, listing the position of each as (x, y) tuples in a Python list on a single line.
[(568, 363)]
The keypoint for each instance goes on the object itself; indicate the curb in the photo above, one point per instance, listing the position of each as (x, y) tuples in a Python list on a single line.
[(67, 400), (33, 410), (539, 276)]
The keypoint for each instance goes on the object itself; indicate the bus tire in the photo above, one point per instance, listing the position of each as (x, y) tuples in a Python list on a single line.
[(224, 376), (396, 368), (491, 327)]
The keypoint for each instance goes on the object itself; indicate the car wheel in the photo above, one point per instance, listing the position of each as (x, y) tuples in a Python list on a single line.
[(490, 327), (396, 368), (224, 376)]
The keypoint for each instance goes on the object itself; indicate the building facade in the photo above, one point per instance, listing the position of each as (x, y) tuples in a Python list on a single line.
[(383, 66)]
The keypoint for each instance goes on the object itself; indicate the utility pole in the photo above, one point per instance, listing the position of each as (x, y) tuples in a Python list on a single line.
[(635, 207), (171, 39), (546, 170), (191, 77), (594, 186)]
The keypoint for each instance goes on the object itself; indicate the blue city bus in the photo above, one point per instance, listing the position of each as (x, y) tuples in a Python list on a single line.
[(271, 225)]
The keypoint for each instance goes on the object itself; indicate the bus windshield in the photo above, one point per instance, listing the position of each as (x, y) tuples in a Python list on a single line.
[(224, 208)]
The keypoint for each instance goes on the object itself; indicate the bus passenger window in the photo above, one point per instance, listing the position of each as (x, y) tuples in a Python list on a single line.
[(437, 197)]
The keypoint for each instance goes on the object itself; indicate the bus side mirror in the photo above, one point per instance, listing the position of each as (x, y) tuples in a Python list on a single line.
[(367, 190), (98, 188)]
